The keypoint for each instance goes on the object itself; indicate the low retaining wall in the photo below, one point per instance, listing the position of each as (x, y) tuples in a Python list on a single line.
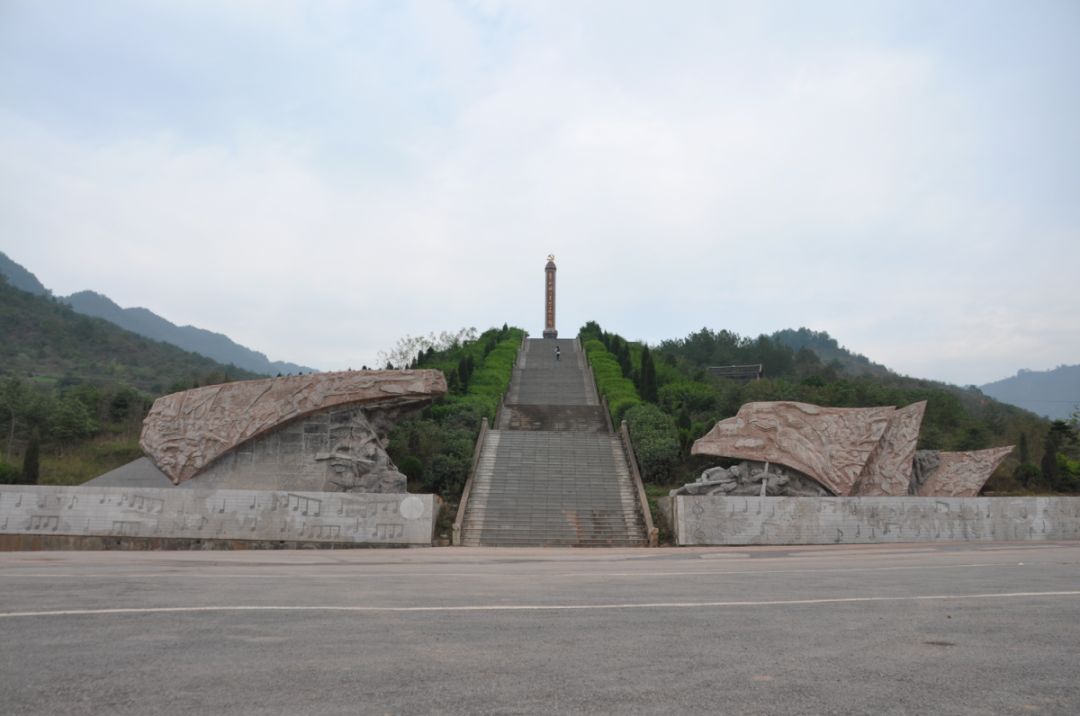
[(716, 520), (152, 515)]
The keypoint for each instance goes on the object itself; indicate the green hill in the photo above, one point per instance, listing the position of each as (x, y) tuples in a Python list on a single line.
[(829, 351), (78, 388), (46, 341), (676, 399), (148, 324), (19, 277)]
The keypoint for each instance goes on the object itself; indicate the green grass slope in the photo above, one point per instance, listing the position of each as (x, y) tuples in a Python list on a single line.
[(46, 341)]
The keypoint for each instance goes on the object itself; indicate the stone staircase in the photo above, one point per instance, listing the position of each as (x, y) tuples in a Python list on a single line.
[(551, 472)]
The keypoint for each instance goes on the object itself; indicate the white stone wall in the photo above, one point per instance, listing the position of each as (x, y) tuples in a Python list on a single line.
[(716, 520), (258, 515)]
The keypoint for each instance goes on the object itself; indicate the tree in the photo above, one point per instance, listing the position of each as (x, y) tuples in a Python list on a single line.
[(69, 420), (12, 401), (648, 376), (31, 469), (1058, 437)]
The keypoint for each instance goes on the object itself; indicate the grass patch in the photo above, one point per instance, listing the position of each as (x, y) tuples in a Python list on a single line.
[(89, 460)]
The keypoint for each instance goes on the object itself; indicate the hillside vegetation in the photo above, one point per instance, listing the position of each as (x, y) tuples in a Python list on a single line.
[(148, 324), (215, 346), (74, 389), (669, 399), (435, 449)]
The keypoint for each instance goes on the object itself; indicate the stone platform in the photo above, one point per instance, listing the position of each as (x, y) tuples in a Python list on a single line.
[(718, 520), (267, 516)]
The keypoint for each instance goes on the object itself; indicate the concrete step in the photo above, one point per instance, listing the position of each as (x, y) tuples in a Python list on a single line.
[(552, 487), (567, 418), (551, 473)]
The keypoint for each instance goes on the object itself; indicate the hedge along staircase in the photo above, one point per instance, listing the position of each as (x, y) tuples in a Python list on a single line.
[(552, 472)]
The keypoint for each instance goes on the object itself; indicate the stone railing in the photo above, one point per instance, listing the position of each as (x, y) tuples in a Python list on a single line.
[(460, 518), (604, 406), (635, 474)]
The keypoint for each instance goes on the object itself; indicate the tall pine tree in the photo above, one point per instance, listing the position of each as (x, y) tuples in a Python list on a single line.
[(31, 469), (648, 376)]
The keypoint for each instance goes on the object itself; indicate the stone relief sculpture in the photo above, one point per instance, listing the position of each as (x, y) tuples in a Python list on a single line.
[(955, 474), (798, 449), (323, 432), (830, 445), (888, 471), (746, 478)]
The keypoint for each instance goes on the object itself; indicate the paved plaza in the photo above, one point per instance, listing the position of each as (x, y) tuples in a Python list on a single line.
[(993, 628)]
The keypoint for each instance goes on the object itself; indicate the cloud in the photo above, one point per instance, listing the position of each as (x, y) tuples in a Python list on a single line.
[(317, 182)]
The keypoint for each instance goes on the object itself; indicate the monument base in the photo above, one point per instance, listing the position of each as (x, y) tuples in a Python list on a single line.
[(551, 334)]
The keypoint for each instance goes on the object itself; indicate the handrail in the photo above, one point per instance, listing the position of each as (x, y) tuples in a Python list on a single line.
[(607, 411), (455, 538), (635, 473)]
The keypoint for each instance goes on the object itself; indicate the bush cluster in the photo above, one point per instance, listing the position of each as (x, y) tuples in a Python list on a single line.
[(617, 389), (435, 449), (656, 441), (815, 370)]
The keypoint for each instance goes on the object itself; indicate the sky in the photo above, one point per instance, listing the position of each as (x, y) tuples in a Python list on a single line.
[(317, 180)]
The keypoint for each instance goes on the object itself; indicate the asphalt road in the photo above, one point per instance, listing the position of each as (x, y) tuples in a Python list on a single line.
[(989, 629)]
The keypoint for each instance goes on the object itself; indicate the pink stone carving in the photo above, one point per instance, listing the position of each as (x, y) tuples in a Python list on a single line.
[(888, 471), (831, 445), (185, 432), (962, 474)]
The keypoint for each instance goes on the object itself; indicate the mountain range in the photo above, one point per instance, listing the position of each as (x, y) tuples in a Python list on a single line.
[(1052, 393), (148, 324), (46, 342)]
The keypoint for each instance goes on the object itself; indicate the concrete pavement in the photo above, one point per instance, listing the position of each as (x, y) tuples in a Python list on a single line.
[(993, 628)]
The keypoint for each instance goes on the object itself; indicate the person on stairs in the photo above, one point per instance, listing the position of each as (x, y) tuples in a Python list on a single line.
[(557, 354)]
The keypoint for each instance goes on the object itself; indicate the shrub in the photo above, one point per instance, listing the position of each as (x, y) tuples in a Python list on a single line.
[(9, 474), (693, 396), (435, 450), (656, 441), (617, 389)]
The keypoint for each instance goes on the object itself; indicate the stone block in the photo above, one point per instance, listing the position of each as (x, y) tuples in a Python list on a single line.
[(249, 515), (719, 520)]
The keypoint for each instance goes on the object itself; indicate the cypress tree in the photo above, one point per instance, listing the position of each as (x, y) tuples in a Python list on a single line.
[(1054, 440), (31, 469), (648, 376), (1022, 448)]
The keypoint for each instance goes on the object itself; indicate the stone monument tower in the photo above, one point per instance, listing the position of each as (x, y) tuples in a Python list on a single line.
[(549, 294)]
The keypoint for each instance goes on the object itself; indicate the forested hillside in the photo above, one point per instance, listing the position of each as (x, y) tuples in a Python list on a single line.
[(145, 322), (669, 398), (215, 346), (19, 277), (47, 341), (74, 389)]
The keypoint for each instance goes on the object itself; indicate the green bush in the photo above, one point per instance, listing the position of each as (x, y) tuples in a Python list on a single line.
[(617, 389), (9, 474), (435, 450), (656, 441), (691, 395)]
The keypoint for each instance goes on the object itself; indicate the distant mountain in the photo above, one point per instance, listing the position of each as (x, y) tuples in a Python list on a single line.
[(1053, 393), (828, 350), (20, 278), (147, 323), (47, 341)]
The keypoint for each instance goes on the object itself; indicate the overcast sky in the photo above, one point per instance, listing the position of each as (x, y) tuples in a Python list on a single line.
[(317, 180)]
